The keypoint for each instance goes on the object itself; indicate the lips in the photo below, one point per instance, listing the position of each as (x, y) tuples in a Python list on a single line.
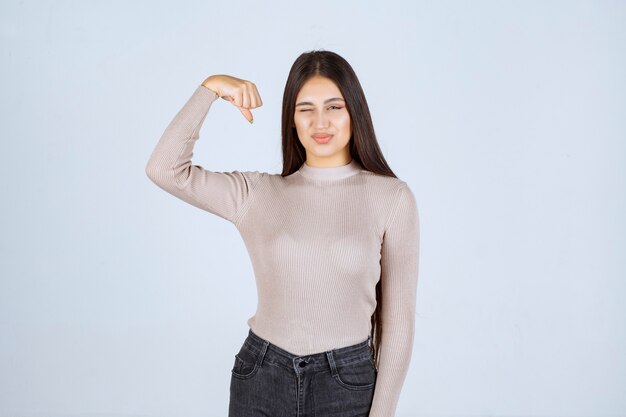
[(322, 138)]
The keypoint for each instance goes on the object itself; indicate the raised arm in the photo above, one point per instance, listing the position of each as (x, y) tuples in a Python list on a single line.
[(399, 271), (170, 165)]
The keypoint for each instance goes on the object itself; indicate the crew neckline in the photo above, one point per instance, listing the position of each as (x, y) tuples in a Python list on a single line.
[(330, 173)]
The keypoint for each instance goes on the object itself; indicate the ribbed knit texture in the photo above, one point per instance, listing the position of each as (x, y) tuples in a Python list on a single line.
[(319, 241)]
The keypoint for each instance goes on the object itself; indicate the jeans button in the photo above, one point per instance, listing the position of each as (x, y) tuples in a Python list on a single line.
[(302, 364)]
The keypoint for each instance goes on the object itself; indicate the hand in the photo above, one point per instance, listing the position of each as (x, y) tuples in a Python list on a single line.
[(242, 94)]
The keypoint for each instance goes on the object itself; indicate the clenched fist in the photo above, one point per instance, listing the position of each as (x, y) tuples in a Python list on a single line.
[(243, 94)]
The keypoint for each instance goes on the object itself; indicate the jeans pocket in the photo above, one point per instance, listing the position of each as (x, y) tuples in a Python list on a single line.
[(358, 375), (246, 363)]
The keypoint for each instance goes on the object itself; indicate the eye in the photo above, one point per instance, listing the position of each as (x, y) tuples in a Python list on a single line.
[(330, 107)]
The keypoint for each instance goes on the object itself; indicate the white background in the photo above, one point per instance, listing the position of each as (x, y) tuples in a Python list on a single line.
[(507, 119)]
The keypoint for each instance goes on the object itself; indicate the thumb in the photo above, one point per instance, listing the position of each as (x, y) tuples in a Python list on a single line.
[(246, 112)]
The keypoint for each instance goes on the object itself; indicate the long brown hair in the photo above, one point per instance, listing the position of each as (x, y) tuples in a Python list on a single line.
[(363, 144)]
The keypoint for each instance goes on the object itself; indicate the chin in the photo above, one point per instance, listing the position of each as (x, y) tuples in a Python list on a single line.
[(319, 149)]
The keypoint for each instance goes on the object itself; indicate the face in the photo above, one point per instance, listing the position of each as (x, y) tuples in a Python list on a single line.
[(321, 110)]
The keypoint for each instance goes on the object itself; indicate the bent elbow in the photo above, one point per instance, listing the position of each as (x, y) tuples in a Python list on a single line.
[(156, 173), (152, 171)]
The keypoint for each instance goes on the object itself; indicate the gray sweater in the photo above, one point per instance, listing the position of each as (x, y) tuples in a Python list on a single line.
[(319, 240)]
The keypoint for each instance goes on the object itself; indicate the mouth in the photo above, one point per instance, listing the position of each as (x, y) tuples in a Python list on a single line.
[(321, 138)]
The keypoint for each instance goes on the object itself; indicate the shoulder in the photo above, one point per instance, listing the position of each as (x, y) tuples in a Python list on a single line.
[(396, 196), (255, 176), (263, 182), (391, 188), (276, 180)]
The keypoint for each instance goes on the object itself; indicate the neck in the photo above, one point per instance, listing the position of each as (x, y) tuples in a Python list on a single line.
[(330, 173)]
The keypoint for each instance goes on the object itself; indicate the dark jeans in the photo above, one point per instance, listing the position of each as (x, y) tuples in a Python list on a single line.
[(268, 381)]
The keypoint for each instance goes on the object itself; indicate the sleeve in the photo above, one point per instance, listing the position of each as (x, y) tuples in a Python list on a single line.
[(399, 272), (170, 167)]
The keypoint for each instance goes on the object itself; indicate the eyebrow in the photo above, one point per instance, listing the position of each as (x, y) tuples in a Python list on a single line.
[(303, 103)]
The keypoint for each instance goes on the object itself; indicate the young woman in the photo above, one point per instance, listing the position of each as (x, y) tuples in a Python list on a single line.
[(333, 240)]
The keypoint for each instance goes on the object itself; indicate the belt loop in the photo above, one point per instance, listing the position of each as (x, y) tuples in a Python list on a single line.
[(331, 362), (371, 346), (263, 352)]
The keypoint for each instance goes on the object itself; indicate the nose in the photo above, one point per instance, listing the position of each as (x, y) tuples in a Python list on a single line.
[(321, 120)]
